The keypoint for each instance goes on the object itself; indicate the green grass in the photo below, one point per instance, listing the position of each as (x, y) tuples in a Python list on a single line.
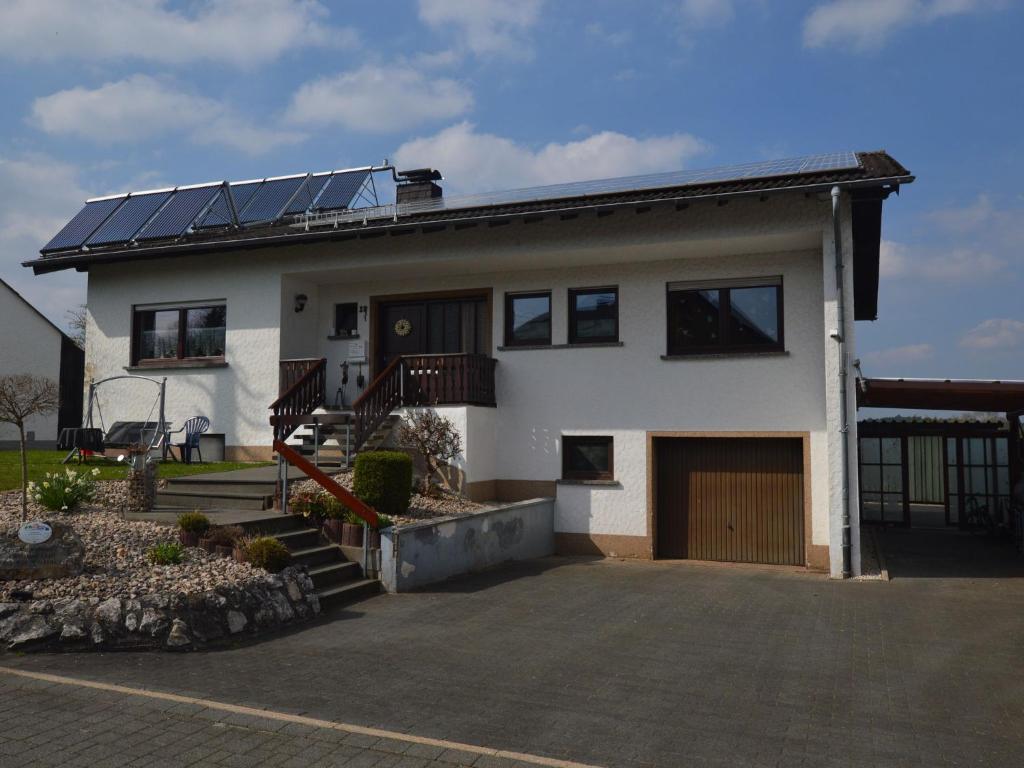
[(41, 462)]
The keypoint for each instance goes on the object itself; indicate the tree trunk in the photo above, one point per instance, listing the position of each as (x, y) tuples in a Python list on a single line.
[(24, 472)]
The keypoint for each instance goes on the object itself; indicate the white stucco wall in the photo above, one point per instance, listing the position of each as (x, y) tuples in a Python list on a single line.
[(624, 391), (28, 344)]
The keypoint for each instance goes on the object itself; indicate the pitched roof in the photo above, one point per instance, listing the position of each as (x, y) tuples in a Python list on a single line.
[(852, 169), (31, 306)]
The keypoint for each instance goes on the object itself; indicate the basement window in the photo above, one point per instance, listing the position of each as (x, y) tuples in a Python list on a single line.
[(725, 316), (587, 457), (166, 335)]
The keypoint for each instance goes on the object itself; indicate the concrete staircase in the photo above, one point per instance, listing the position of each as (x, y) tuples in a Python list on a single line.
[(336, 571), (214, 493)]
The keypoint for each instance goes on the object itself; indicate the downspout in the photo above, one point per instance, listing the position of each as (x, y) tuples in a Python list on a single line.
[(844, 419)]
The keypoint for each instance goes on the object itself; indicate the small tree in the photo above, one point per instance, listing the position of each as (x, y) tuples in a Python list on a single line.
[(435, 439), (21, 397)]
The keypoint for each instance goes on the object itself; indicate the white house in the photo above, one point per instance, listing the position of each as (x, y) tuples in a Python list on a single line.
[(29, 343), (665, 355)]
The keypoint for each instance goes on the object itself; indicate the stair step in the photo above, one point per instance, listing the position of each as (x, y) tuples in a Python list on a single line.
[(318, 555), (274, 525), (348, 592), (301, 538), (218, 500), (217, 487), (325, 576)]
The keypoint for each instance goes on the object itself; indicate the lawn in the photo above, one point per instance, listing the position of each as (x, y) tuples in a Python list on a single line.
[(41, 462)]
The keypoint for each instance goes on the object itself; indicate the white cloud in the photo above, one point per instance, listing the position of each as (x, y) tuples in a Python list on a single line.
[(953, 265), (378, 99), (911, 353), (994, 333), (485, 27), (40, 194), (472, 160), (867, 24), (142, 107), (241, 32), (707, 13)]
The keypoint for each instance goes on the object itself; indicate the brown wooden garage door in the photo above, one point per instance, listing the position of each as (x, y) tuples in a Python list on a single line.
[(731, 499)]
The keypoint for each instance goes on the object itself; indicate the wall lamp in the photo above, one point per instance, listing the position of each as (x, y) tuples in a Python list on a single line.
[(300, 301)]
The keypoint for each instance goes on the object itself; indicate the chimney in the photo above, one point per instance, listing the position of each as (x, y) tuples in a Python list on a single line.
[(418, 185)]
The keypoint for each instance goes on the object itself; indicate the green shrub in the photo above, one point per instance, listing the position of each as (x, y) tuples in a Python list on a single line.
[(383, 479), (332, 509), (383, 521), (224, 535), (64, 491), (194, 522), (168, 553), (268, 553)]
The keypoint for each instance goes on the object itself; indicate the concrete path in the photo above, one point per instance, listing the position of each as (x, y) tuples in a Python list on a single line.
[(621, 664)]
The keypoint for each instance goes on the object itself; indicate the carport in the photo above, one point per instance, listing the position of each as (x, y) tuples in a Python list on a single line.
[(939, 475)]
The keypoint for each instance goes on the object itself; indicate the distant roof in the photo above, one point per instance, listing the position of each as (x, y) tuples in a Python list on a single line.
[(942, 394), (31, 306), (287, 210)]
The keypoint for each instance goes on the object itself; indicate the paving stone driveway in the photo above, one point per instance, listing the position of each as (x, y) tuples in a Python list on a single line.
[(641, 664)]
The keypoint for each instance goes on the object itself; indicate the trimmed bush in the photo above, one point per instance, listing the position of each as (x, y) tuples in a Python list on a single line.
[(169, 553), (268, 553), (383, 479), (194, 522)]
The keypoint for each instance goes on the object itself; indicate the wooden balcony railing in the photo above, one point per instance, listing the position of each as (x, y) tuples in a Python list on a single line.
[(306, 391), (454, 379)]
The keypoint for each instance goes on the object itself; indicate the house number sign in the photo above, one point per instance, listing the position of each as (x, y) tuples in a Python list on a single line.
[(35, 532), (403, 327)]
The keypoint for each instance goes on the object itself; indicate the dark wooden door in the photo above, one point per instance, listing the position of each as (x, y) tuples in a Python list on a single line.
[(403, 330), (730, 499)]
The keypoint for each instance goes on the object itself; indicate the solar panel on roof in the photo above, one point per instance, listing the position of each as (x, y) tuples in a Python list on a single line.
[(181, 210), (128, 219), (307, 193), (77, 231), (270, 200), (341, 189), (219, 214)]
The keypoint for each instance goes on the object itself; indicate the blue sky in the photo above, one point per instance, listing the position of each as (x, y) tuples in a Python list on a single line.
[(112, 95)]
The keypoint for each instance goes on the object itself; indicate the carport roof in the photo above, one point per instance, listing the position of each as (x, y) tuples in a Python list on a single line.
[(942, 394)]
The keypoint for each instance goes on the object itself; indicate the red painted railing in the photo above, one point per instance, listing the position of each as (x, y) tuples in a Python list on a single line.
[(342, 494), (306, 391)]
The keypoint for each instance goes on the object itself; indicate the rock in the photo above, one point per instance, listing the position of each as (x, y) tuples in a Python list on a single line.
[(72, 631), (108, 613), (178, 637), (6, 609), (153, 622), (61, 556), (98, 635), (294, 592), (32, 629), (282, 608), (236, 622)]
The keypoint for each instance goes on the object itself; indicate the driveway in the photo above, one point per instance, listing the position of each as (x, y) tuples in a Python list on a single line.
[(644, 664)]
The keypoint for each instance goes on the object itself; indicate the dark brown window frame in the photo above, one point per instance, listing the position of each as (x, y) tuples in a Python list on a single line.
[(570, 474), (573, 293), (180, 360), (510, 340), (724, 287)]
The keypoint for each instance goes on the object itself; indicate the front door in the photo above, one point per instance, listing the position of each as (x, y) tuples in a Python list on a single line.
[(432, 327)]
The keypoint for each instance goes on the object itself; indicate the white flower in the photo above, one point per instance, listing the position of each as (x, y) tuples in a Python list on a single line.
[(95, 471), (46, 484), (64, 508)]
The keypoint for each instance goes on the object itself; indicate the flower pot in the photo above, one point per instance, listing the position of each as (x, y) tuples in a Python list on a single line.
[(333, 530), (374, 542), (239, 554), (351, 535), (205, 544), (221, 551), (188, 538)]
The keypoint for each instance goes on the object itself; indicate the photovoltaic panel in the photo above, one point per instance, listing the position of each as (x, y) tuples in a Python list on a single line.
[(128, 219), (270, 200), (180, 211), (307, 193), (219, 214), (800, 165), (341, 189), (77, 231)]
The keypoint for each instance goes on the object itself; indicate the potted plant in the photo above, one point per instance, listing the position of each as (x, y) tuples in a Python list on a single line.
[(352, 530), (333, 518), (308, 503), (191, 527)]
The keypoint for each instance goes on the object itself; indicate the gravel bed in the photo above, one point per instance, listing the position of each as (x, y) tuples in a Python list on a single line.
[(115, 555), (444, 505)]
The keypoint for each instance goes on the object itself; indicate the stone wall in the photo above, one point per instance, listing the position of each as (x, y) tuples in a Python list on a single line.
[(175, 622)]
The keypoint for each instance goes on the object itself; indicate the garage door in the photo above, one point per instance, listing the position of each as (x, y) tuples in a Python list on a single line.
[(730, 499)]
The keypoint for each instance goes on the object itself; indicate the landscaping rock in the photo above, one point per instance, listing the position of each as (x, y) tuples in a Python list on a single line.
[(61, 556), (178, 637)]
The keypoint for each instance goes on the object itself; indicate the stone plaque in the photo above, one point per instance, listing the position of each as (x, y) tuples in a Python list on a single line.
[(35, 532)]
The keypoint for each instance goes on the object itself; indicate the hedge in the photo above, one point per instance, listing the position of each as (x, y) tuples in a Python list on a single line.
[(383, 479)]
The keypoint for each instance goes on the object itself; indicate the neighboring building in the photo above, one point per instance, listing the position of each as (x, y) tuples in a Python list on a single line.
[(29, 343), (662, 354)]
